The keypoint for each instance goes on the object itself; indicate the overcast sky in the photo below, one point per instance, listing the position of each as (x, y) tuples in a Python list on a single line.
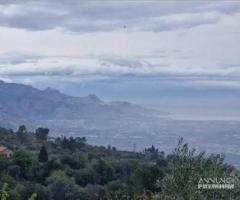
[(133, 50)]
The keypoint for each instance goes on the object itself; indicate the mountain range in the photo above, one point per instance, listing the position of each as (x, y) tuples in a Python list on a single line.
[(22, 103), (122, 124)]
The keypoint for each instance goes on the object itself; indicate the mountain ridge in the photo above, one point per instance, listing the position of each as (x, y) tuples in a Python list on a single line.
[(29, 103)]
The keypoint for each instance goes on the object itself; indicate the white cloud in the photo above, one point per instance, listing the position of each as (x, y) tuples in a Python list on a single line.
[(94, 16), (69, 39)]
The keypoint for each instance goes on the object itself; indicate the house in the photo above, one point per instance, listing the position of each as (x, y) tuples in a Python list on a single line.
[(5, 152)]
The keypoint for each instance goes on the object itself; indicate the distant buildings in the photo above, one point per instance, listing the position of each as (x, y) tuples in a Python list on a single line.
[(5, 152)]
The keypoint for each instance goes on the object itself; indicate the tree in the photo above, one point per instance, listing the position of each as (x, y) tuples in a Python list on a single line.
[(85, 176), (185, 168), (22, 129), (24, 160), (75, 161), (33, 191), (153, 152), (41, 192), (43, 155), (63, 188), (14, 171), (64, 143), (104, 171), (3, 163), (3, 193), (22, 133), (33, 196), (146, 177), (42, 133)]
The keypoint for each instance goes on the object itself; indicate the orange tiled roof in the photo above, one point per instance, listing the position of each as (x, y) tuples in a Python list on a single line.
[(2, 148)]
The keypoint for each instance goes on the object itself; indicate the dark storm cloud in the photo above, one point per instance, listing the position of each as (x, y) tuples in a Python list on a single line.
[(92, 16)]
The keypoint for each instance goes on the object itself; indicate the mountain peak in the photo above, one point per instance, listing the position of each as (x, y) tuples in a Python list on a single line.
[(51, 90), (94, 98), (2, 82)]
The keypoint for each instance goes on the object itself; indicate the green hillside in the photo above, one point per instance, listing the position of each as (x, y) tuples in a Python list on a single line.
[(63, 168)]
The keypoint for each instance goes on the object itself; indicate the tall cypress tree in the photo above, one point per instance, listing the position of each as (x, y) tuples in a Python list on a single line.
[(43, 155)]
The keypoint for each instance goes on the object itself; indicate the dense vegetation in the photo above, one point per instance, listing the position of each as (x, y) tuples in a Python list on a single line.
[(44, 168)]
